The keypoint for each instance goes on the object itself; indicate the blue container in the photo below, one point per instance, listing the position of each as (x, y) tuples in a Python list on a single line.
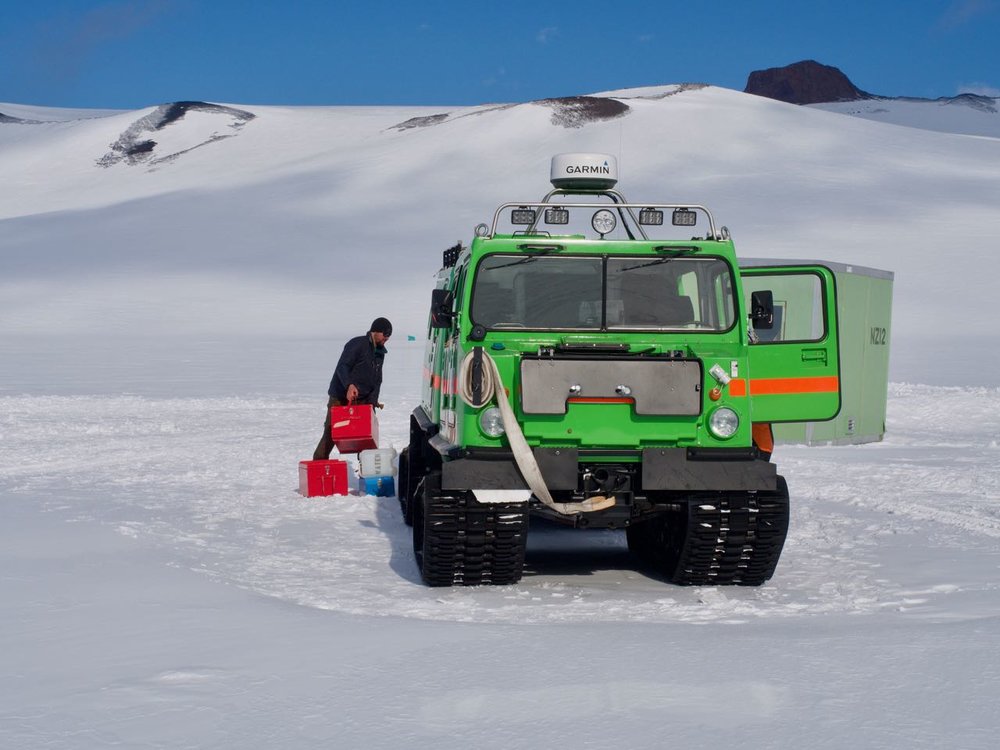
[(377, 486)]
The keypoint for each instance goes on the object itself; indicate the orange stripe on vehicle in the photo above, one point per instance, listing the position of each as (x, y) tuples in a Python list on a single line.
[(773, 386), (737, 387)]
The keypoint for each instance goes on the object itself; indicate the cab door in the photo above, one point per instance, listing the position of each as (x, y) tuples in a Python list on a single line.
[(794, 367)]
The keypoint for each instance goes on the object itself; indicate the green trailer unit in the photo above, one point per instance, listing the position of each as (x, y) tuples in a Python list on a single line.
[(603, 364), (864, 312)]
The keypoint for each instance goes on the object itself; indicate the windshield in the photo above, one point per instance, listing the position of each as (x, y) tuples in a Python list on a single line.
[(603, 293)]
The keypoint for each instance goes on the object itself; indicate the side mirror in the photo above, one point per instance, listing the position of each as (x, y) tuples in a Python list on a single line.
[(762, 310), (442, 314)]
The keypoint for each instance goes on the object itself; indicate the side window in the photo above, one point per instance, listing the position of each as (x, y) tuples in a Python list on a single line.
[(459, 289), (798, 306)]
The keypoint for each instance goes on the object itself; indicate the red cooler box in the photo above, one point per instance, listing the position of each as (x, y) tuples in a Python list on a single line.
[(320, 478), (353, 428)]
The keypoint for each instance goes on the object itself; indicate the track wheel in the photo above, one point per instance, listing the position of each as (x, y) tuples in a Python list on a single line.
[(772, 528), (721, 540), (460, 541)]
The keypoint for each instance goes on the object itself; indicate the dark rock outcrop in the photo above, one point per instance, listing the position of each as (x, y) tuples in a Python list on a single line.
[(133, 147), (577, 111), (421, 122), (806, 82), (16, 120)]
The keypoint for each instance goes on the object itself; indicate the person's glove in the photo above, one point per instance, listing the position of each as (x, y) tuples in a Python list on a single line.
[(379, 406)]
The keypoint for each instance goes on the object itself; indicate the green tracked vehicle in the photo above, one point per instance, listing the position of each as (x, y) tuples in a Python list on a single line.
[(591, 362)]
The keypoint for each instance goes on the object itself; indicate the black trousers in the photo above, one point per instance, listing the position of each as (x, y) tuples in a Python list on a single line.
[(325, 446)]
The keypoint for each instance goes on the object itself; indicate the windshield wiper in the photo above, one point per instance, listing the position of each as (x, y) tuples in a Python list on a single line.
[(677, 253), (526, 259)]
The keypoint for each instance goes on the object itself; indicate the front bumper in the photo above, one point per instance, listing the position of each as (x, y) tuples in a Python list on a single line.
[(657, 469)]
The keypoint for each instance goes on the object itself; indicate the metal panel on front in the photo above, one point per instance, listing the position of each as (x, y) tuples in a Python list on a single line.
[(657, 386), (670, 469), (500, 472)]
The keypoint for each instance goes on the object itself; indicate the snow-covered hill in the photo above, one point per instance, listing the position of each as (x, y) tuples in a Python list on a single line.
[(232, 219), (175, 285), (966, 114)]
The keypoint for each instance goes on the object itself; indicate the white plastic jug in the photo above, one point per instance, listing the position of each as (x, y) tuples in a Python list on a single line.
[(377, 462)]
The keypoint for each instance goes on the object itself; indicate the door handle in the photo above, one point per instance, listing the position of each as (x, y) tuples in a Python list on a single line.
[(815, 355)]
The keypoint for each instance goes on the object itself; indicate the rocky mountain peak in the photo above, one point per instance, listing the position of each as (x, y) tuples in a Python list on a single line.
[(805, 82)]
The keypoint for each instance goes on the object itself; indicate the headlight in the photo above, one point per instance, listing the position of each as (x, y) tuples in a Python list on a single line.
[(491, 422), (723, 423), (603, 222)]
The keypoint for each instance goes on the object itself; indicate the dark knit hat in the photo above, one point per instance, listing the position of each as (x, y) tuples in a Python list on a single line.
[(381, 325)]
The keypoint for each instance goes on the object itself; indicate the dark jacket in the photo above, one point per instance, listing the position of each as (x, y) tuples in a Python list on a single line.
[(361, 365)]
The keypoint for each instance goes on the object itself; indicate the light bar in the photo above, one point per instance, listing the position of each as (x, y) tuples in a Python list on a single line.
[(651, 217), (522, 216), (556, 216), (603, 222), (684, 217)]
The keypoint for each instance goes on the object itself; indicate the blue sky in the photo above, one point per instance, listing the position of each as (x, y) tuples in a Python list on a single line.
[(133, 53)]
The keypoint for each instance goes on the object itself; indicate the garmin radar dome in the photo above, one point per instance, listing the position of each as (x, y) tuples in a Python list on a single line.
[(584, 171)]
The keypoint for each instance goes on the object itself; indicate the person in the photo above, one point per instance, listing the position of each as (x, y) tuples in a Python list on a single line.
[(357, 378)]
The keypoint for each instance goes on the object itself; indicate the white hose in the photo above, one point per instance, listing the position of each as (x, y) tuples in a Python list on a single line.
[(492, 385)]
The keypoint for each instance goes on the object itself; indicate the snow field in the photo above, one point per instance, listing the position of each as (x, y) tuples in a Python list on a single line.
[(213, 480)]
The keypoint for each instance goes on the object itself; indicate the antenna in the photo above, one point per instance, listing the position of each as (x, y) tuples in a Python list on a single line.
[(584, 171)]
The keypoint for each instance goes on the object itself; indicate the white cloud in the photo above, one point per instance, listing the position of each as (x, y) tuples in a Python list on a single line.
[(544, 35), (496, 78), (70, 37), (961, 12)]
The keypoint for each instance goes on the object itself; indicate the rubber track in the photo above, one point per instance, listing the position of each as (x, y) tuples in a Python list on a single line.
[(403, 489), (733, 539), (467, 543)]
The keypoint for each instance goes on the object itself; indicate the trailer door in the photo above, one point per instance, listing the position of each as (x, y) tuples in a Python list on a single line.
[(794, 368)]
